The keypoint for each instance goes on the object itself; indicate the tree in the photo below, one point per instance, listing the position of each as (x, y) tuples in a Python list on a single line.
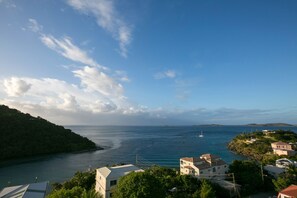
[(75, 192), (140, 184), (206, 190), (248, 174), (286, 179)]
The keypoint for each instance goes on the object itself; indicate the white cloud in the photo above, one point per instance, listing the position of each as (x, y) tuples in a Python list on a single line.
[(66, 48), (94, 80), (56, 94), (165, 74), (107, 18), (122, 76), (15, 86), (34, 26)]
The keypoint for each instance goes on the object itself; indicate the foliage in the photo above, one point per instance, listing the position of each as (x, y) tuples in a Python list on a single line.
[(22, 135), (85, 180), (170, 185), (81, 185), (206, 190), (141, 184), (286, 179), (248, 174), (75, 192), (260, 149)]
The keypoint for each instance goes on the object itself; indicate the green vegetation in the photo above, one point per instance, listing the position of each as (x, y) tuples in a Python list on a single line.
[(164, 182), (81, 185), (260, 149), (286, 179), (153, 182), (248, 174), (22, 135)]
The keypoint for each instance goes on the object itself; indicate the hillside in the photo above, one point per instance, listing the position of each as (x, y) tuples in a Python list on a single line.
[(22, 135), (257, 145)]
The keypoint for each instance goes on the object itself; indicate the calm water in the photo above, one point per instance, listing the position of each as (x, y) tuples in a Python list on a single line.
[(156, 145)]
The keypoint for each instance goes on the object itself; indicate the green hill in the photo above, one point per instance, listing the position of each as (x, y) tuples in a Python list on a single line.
[(22, 135), (257, 145)]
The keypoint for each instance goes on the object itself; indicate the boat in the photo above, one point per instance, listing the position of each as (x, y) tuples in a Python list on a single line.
[(201, 135)]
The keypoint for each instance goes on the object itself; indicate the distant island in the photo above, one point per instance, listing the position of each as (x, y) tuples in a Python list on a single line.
[(22, 135), (271, 125)]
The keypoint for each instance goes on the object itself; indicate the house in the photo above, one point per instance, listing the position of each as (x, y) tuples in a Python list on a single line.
[(107, 177), (284, 163), (282, 148), (290, 192), (205, 166), (268, 132), (35, 190)]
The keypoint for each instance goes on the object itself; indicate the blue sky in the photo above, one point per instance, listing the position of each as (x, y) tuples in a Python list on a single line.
[(111, 62)]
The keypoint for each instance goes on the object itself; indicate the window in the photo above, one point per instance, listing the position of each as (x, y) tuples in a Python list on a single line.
[(113, 182), (110, 195), (181, 162)]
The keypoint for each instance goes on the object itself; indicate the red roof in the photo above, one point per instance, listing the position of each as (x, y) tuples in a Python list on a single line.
[(290, 191)]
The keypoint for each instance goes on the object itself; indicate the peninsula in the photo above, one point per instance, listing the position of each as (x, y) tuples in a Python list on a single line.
[(22, 135), (257, 145)]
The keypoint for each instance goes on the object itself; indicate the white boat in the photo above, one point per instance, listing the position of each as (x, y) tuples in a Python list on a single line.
[(201, 135)]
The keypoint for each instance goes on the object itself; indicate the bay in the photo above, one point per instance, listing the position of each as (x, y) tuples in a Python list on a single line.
[(162, 145)]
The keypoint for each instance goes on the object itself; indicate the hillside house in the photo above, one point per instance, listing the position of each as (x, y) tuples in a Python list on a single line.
[(282, 148), (107, 177), (205, 166), (290, 192)]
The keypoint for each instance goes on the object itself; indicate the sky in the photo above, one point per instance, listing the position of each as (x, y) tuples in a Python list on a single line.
[(150, 62)]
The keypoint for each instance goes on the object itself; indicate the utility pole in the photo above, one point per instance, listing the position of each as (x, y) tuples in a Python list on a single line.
[(262, 175), (234, 184)]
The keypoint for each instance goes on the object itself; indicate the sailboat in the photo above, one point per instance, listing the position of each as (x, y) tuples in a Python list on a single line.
[(201, 135)]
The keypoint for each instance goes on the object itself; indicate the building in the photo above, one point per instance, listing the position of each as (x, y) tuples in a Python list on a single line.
[(284, 163), (35, 190), (205, 166), (290, 192), (274, 171), (282, 148), (107, 177)]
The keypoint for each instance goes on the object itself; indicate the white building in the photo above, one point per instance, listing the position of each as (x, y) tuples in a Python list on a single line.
[(205, 166), (107, 177)]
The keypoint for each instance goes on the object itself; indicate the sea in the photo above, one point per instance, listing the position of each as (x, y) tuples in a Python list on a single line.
[(142, 145)]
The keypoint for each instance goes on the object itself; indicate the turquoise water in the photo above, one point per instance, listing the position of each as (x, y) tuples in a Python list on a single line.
[(156, 145)]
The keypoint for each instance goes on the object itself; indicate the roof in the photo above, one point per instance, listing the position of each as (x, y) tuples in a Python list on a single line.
[(209, 156), (118, 171), (192, 159), (274, 169), (290, 191), (280, 143), (35, 190)]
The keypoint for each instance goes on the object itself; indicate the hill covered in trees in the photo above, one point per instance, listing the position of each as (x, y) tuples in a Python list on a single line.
[(22, 135), (257, 145)]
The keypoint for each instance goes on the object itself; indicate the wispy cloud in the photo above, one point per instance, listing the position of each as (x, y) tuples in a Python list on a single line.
[(68, 49), (165, 74), (63, 46), (108, 18), (34, 26)]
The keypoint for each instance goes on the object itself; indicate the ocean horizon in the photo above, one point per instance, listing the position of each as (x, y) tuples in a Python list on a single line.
[(149, 145)]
